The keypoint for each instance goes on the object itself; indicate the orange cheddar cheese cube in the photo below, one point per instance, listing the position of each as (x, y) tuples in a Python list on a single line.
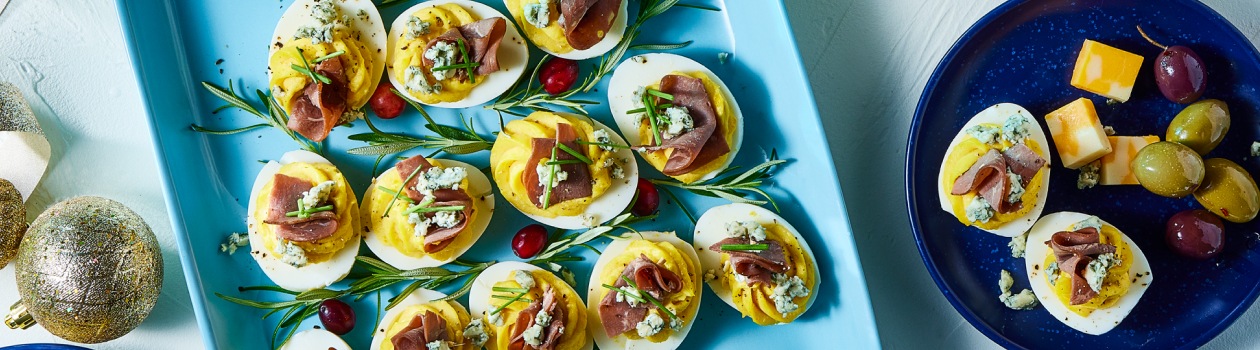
[(1115, 165), (1106, 70), (1078, 134)]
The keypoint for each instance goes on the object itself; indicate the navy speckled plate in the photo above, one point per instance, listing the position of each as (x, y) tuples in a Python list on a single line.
[(1023, 52)]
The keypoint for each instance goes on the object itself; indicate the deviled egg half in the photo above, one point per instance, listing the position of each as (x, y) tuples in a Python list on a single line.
[(439, 213), (695, 128), (525, 307), (325, 60), (1087, 273), (996, 171), (757, 263), (454, 53), (570, 29), (303, 222), (655, 265), (315, 338), (423, 320), (564, 170)]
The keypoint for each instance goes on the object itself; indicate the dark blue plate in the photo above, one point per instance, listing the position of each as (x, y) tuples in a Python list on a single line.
[(1023, 52)]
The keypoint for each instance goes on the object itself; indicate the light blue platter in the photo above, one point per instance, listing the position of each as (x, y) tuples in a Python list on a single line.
[(175, 46)]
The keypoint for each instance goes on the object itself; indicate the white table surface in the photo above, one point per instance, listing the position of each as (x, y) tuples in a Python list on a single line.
[(868, 61)]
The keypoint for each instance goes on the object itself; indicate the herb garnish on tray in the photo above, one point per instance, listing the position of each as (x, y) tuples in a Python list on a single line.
[(275, 117)]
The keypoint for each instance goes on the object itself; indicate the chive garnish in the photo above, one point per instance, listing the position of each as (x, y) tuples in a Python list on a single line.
[(509, 302), (625, 293), (574, 153), (649, 298), (456, 66), (396, 194), (463, 50), (509, 290), (745, 247), (307, 213), (504, 297), (563, 162), (423, 209), (644, 109), (329, 56), (305, 68), (546, 199), (660, 94), (650, 110), (613, 145)]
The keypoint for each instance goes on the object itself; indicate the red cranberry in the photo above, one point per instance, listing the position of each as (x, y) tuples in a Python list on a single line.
[(337, 316), (529, 241), (558, 75), (385, 103), (649, 199), (1195, 234)]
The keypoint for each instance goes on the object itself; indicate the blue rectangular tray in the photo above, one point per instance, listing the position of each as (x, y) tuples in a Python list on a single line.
[(177, 44)]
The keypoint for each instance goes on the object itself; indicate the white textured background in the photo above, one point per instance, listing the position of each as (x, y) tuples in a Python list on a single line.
[(868, 60)]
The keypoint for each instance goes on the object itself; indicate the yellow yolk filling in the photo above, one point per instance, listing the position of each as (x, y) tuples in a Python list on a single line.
[(727, 124), (755, 301), (410, 52), (551, 37), (1114, 286), (669, 258), (287, 83), (509, 159), (453, 313), (341, 197), (574, 337), (963, 156), (395, 230)]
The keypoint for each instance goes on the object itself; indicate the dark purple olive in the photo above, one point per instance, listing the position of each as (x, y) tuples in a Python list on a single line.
[(1179, 72), (1195, 234), (337, 316)]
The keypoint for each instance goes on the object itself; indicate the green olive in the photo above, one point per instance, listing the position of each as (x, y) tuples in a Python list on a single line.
[(1201, 126), (1168, 169), (1228, 191)]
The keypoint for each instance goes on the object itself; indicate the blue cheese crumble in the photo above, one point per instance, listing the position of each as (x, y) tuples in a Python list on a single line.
[(416, 28), (650, 325), (437, 345), (986, 134), (786, 290), (318, 35), (1088, 178), (544, 174), (677, 121), (442, 53), (533, 335), (1015, 129), (1096, 272), (979, 210), (1255, 148), (601, 136), (524, 279), (292, 254), (234, 241), (318, 194), (475, 332), (1025, 300), (495, 319), (622, 298), (750, 229), (1017, 187), (542, 318), (417, 82), (1018, 244), (538, 13), (440, 178), (446, 219), (618, 172), (1091, 221), (1052, 272), (324, 11)]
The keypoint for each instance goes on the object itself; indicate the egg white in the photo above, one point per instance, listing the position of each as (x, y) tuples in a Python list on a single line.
[(483, 202), (513, 56), (479, 301), (613, 201), (711, 228), (1102, 320), (615, 33), (648, 69), (997, 114), (419, 296), (310, 276), (372, 31), (595, 291), (315, 338)]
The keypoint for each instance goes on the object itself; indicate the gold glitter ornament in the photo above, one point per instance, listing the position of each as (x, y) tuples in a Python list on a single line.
[(12, 221), (89, 270)]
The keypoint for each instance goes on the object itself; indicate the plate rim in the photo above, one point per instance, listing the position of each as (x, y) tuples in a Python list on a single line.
[(916, 128)]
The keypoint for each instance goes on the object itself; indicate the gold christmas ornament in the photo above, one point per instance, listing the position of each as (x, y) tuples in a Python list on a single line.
[(89, 270), (12, 221)]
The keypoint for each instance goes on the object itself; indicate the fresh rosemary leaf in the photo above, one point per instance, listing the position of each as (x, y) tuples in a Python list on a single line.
[(699, 7), (201, 129), (661, 47)]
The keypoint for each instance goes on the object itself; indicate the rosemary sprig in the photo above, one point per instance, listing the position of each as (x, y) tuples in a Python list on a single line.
[(534, 97), (274, 117), (562, 247), (732, 186), (449, 139), (380, 275)]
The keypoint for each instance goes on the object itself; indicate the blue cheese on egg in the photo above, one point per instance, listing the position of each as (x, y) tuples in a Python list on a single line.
[(475, 332), (984, 133), (786, 289), (318, 194), (750, 229), (416, 28), (442, 53), (416, 82), (524, 279), (979, 210), (1096, 271), (650, 325), (677, 121), (1015, 129), (1017, 187), (292, 254), (440, 178), (538, 13), (437, 345)]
